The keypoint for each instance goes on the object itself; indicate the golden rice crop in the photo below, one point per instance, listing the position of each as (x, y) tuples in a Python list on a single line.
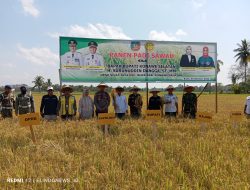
[(182, 156)]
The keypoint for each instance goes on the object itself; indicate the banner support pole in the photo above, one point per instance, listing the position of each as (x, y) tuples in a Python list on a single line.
[(216, 97), (147, 93), (216, 83)]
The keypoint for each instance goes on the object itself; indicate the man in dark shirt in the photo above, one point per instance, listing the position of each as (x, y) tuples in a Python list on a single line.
[(101, 99), (135, 103), (155, 101), (189, 103), (48, 108), (188, 60)]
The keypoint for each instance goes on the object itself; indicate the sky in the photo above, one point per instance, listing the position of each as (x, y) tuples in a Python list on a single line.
[(30, 29)]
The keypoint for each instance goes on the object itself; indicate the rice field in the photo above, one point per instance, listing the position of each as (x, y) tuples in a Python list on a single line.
[(76, 154)]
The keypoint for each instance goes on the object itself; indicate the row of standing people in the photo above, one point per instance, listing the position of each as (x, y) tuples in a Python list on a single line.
[(66, 106)]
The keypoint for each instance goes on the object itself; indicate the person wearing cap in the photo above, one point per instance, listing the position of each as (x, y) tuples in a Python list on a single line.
[(49, 103), (189, 103), (188, 60), (24, 102), (171, 102), (155, 101), (93, 58), (120, 103), (86, 105), (247, 107), (7, 102), (135, 102), (67, 104), (205, 60), (72, 58), (101, 99)]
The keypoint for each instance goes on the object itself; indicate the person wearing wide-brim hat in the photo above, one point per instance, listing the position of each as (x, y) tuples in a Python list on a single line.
[(67, 104), (170, 101), (120, 103), (7, 102), (101, 99), (135, 88), (189, 88), (49, 104), (86, 105), (135, 102), (155, 102), (189, 102), (66, 88)]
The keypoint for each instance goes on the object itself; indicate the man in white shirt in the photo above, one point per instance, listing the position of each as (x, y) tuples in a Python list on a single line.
[(247, 107), (120, 103), (72, 58), (171, 102), (93, 58)]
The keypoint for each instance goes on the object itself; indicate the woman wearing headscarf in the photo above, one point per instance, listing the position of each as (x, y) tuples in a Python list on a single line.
[(86, 105)]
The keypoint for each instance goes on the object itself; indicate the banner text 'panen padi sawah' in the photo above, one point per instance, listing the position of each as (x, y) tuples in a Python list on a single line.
[(95, 60)]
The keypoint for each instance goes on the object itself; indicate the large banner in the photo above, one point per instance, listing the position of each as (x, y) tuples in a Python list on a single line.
[(108, 60)]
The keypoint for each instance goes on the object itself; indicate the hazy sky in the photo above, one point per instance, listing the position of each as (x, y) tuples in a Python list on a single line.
[(29, 43)]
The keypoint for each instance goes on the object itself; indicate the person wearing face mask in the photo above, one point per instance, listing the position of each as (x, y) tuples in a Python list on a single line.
[(24, 102), (72, 57), (93, 58), (7, 102), (188, 60), (205, 60)]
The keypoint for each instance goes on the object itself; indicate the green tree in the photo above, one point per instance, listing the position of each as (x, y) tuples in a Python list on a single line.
[(39, 82), (242, 53), (219, 64)]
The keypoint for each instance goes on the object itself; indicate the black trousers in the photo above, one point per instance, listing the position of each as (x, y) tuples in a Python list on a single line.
[(170, 114), (67, 117), (97, 112), (120, 115), (6, 113), (191, 115)]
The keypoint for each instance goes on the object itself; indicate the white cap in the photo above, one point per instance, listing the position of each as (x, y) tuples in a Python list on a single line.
[(50, 88)]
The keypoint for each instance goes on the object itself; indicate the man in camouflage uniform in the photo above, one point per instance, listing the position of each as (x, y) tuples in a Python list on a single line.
[(101, 99), (24, 102), (7, 102), (189, 103)]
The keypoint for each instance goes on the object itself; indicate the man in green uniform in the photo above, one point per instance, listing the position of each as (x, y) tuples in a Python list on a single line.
[(24, 102), (7, 101), (189, 103)]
